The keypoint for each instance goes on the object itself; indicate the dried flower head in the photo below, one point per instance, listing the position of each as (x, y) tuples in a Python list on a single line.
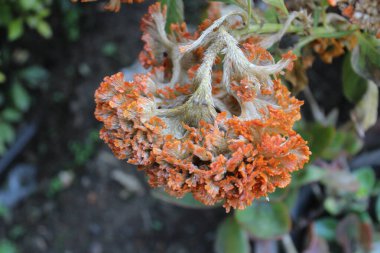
[(211, 118)]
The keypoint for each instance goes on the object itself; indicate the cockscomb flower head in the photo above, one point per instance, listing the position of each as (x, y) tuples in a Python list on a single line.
[(211, 119)]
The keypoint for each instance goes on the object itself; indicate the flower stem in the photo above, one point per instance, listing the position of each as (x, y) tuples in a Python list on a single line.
[(317, 32)]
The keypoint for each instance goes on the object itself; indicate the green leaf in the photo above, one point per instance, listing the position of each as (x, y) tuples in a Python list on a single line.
[(334, 206), (278, 4), (3, 77), (365, 57), (309, 174), (319, 137), (11, 114), (109, 49), (352, 144), (175, 13), (326, 228), (15, 29), (367, 179), (186, 201), (7, 246), (34, 75), (27, 4), (343, 141), (231, 238), (44, 29), (271, 15), (365, 111), (354, 86), (265, 220), (20, 97), (7, 133)]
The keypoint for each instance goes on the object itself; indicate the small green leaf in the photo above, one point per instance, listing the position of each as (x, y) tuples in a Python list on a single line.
[(175, 12), (366, 110), (319, 137), (333, 205), (109, 49), (278, 4), (11, 114), (231, 238), (271, 15), (7, 133), (34, 75), (367, 179), (186, 201), (352, 144), (7, 246), (354, 86), (4, 212), (44, 29), (365, 57), (20, 97), (343, 141), (326, 228), (15, 29), (309, 174), (27, 4), (3, 77), (265, 220)]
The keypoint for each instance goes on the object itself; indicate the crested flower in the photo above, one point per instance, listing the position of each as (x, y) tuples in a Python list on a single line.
[(219, 129)]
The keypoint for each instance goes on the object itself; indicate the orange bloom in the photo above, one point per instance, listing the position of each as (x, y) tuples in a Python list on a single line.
[(220, 133)]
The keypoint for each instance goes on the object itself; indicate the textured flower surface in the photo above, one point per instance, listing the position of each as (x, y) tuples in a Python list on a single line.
[(211, 117)]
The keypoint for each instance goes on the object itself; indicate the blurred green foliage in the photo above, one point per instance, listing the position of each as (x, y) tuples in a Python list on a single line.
[(16, 14), (7, 246), (20, 74)]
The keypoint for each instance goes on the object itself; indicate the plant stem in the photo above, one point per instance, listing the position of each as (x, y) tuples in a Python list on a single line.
[(315, 110), (288, 244), (315, 32)]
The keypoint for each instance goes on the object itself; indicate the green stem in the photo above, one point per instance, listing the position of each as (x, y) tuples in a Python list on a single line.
[(268, 28), (249, 9), (315, 32)]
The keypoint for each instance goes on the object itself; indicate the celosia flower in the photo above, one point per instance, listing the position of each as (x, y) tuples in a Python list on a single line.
[(221, 130)]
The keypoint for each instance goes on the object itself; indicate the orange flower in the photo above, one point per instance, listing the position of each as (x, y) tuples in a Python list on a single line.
[(220, 133), (230, 160)]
